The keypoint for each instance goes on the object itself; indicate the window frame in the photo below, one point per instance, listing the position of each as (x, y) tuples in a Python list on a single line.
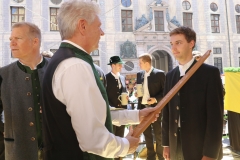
[(127, 2), (237, 8), (51, 15), (185, 4), (217, 64), (126, 18), (213, 6), (213, 16), (188, 20), (18, 14), (217, 50), (159, 18), (56, 3), (238, 24), (17, 1)]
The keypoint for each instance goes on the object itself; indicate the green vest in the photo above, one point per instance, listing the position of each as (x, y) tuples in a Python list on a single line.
[(108, 123)]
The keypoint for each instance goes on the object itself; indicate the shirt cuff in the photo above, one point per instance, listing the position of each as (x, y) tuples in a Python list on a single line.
[(126, 147)]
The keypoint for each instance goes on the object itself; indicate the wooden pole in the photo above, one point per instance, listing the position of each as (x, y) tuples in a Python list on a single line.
[(150, 118)]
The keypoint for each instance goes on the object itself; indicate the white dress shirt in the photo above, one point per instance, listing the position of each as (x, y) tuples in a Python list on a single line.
[(182, 70), (75, 86), (146, 94)]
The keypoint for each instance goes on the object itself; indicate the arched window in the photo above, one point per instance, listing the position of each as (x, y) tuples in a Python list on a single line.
[(56, 1), (126, 3), (18, 1), (213, 7), (237, 8), (186, 5)]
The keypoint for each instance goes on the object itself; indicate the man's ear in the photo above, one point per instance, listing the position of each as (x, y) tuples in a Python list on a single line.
[(192, 42), (81, 26), (36, 41)]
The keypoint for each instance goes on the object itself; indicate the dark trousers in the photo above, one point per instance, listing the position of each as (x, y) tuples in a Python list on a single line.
[(118, 131), (179, 153), (2, 150), (157, 130)]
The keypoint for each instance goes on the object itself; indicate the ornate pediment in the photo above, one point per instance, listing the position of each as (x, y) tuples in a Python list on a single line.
[(128, 50)]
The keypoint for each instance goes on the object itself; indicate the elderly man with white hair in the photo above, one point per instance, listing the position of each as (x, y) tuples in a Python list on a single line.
[(76, 117), (197, 55)]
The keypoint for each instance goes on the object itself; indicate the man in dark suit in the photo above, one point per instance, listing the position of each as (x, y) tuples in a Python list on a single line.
[(193, 119), (153, 83), (115, 86)]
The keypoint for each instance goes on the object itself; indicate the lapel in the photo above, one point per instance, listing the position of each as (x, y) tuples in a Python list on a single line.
[(150, 77), (191, 66)]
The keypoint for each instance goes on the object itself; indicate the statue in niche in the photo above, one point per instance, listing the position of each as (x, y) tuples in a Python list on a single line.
[(128, 50)]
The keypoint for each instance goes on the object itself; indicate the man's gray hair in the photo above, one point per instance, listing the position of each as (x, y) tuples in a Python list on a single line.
[(34, 31), (71, 11)]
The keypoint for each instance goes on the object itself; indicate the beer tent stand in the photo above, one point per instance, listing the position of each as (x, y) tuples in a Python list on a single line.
[(232, 104)]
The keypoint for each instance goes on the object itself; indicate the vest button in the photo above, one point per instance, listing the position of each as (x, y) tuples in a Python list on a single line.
[(29, 93), (27, 78), (31, 124), (175, 121), (33, 139), (177, 108), (30, 109), (175, 134)]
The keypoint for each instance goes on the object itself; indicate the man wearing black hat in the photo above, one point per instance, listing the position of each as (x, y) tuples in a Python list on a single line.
[(115, 87)]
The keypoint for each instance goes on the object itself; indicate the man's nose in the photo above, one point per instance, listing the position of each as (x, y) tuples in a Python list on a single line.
[(173, 47), (12, 43), (102, 33)]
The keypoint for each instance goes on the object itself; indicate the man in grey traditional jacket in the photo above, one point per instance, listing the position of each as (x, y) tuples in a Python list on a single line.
[(21, 94)]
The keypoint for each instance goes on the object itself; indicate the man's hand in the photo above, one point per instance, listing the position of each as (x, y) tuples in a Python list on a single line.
[(145, 112), (151, 101), (166, 153), (207, 158), (133, 142)]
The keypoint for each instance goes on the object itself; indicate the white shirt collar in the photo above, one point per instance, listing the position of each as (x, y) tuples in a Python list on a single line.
[(183, 68), (74, 44), (116, 75), (148, 73)]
